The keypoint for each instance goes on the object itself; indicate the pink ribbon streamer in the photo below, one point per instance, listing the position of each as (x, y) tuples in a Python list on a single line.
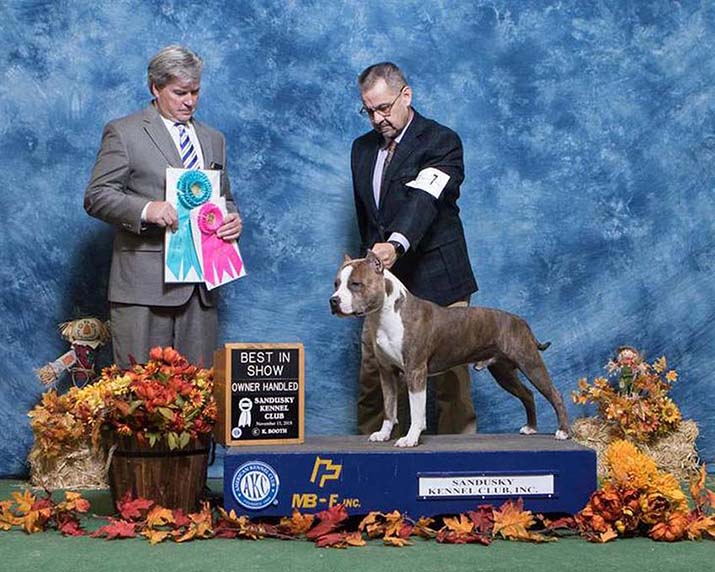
[(219, 256)]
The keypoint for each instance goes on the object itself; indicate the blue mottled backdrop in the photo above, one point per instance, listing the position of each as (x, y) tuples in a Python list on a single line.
[(589, 138)]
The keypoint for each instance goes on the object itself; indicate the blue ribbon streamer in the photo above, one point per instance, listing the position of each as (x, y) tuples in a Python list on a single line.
[(192, 189)]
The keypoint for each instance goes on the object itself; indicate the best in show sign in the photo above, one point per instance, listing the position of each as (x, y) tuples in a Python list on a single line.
[(260, 392)]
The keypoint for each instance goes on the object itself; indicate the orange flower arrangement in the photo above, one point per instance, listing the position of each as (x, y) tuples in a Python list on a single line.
[(637, 499), (167, 399), (635, 398)]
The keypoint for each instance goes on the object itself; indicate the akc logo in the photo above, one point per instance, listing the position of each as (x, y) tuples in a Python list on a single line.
[(255, 485)]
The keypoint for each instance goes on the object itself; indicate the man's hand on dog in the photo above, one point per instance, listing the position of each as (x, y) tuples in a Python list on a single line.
[(386, 253)]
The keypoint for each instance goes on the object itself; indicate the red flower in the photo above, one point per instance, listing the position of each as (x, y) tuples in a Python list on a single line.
[(171, 355)]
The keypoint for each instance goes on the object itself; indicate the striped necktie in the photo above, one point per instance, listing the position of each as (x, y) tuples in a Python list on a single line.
[(391, 146), (188, 154)]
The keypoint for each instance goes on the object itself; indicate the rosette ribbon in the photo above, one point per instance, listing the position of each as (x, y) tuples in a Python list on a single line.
[(192, 190), (245, 406), (219, 256)]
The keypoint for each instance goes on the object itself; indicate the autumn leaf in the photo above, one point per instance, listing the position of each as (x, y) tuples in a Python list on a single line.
[(329, 521), (461, 524), (200, 526), (230, 518), (24, 501), (373, 524), (297, 524), (483, 518), (355, 539), (183, 535), (447, 536), (231, 526), (422, 528), (156, 536), (226, 532), (405, 530), (35, 520), (703, 497), (660, 364), (75, 502), (565, 525), (607, 536), (700, 527), (116, 529), (394, 523), (7, 518), (159, 516), (71, 527), (180, 518), (512, 521), (133, 509), (460, 530), (262, 530), (396, 541), (340, 540)]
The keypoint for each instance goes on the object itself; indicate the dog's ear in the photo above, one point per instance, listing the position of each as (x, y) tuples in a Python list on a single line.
[(346, 258), (375, 262)]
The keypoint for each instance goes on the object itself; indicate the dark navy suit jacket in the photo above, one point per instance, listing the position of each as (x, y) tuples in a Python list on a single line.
[(436, 266)]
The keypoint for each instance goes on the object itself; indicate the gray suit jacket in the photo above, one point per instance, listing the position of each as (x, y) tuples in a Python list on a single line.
[(129, 172)]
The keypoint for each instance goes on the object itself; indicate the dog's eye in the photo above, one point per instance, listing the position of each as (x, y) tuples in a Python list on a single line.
[(355, 284)]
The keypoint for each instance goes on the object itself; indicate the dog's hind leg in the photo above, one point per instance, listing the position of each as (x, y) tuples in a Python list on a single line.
[(506, 376), (417, 389), (534, 369), (388, 382)]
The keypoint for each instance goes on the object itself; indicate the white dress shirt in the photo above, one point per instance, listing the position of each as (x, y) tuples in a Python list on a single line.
[(173, 130)]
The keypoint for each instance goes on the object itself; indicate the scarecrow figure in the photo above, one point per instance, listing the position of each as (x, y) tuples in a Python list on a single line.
[(85, 335)]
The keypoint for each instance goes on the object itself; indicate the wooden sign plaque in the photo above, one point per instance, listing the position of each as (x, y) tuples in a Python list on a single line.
[(260, 392)]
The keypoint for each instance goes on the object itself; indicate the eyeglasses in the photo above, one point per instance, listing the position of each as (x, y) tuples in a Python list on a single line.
[(384, 109)]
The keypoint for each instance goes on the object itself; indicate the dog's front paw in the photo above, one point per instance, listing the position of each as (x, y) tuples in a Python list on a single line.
[(561, 435), (408, 441), (379, 437), (528, 430)]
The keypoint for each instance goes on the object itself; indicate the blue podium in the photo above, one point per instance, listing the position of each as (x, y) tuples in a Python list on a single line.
[(446, 474)]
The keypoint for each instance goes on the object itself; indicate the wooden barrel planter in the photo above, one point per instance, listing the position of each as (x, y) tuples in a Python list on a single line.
[(173, 479)]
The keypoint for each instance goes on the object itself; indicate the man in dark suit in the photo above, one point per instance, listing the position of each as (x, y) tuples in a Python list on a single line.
[(407, 173), (127, 190)]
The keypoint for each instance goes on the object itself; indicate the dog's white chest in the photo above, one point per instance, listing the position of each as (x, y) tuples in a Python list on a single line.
[(389, 338)]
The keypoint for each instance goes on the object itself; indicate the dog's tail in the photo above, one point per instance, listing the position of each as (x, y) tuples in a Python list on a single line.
[(543, 346)]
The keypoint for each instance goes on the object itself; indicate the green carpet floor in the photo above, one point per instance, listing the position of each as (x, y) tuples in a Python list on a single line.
[(52, 552)]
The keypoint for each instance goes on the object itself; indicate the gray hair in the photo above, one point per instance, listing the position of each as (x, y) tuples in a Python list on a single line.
[(387, 71), (172, 63)]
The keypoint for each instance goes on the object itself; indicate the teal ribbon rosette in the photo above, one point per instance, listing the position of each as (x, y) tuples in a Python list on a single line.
[(192, 190)]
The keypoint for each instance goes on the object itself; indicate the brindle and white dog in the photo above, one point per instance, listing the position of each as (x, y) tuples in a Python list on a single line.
[(414, 338)]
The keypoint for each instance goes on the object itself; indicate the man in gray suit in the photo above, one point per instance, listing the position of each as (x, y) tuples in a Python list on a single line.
[(127, 189)]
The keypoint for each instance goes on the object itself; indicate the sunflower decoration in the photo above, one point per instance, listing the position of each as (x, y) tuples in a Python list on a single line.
[(633, 397)]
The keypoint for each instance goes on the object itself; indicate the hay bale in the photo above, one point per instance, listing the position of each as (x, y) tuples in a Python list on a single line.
[(78, 468), (674, 453)]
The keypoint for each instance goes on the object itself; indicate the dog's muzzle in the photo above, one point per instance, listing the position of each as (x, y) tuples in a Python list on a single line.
[(335, 304)]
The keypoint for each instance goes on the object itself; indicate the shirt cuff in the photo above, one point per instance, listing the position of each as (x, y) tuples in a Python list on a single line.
[(142, 218), (401, 238)]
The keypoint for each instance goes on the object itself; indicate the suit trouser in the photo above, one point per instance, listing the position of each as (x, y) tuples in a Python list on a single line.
[(191, 329), (452, 389)]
